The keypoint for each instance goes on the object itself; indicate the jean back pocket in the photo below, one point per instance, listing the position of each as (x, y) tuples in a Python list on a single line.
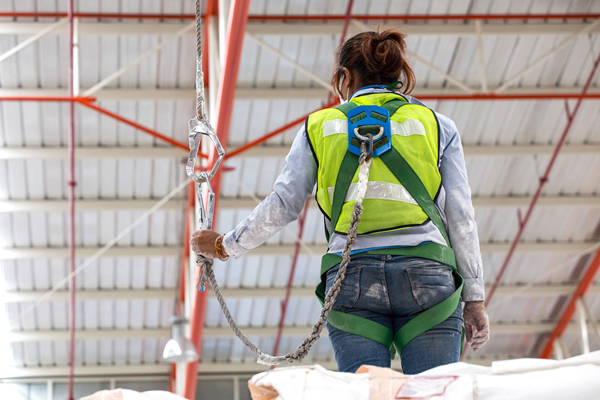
[(430, 285)]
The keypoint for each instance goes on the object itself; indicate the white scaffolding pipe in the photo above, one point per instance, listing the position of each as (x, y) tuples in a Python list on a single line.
[(138, 60), (50, 389), (223, 18), (546, 55), (558, 351), (582, 320), (296, 65), (591, 317), (76, 75), (363, 27), (214, 66), (29, 41), (484, 86), (565, 352)]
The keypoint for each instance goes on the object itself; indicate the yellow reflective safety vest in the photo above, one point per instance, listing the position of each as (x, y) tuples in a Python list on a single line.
[(403, 182), (388, 206)]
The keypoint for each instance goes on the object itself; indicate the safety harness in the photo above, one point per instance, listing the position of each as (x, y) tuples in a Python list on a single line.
[(394, 161)]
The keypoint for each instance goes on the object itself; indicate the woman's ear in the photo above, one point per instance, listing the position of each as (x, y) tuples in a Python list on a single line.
[(347, 77), (346, 81)]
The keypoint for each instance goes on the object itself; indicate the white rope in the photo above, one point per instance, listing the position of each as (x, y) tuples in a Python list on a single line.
[(100, 252)]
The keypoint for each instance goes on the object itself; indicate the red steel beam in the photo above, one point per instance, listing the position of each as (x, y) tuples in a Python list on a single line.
[(236, 29), (524, 96), (185, 253), (565, 319), (570, 118), (45, 98), (377, 17)]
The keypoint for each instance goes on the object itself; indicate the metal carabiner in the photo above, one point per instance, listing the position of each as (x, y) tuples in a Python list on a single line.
[(196, 129), (205, 217), (364, 154)]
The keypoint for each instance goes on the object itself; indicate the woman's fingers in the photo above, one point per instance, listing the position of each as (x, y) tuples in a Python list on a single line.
[(203, 243), (476, 318), (469, 333)]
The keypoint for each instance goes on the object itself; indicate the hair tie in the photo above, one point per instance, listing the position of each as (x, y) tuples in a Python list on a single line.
[(391, 86)]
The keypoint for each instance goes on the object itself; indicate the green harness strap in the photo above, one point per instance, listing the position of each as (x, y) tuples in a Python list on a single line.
[(433, 251)]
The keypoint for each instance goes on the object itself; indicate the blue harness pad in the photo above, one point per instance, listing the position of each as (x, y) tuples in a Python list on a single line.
[(369, 119)]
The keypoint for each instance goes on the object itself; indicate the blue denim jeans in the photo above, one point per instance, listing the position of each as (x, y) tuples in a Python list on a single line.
[(391, 290)]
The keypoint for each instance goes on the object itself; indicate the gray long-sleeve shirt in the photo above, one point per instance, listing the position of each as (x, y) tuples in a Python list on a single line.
[(297, 181)]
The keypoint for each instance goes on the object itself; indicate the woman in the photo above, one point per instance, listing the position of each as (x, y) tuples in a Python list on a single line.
[(402, 263)]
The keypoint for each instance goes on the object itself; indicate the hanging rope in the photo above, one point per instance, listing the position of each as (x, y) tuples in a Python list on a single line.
[(199, 74)]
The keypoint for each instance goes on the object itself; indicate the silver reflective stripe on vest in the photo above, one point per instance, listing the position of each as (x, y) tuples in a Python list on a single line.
[(406, 128), (334, 126), (377, 191)]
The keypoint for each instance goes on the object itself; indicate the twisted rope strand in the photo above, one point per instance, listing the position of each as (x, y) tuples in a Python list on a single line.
[(199, 74)]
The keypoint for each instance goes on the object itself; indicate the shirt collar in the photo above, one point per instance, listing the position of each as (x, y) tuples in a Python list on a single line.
[(373, 89)]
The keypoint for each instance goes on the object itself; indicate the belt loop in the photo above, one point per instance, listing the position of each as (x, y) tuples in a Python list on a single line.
[(388, 257)]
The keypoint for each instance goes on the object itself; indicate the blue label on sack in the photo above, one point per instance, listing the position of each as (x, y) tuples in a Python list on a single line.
[(369, 120)]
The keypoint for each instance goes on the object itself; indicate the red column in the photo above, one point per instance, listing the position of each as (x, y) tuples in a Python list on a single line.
[(567, 315), (236, 29)]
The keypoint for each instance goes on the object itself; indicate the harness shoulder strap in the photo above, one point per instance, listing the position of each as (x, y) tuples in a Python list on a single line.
[(413, 184), (342, 184), (346, 107), (393, 105)]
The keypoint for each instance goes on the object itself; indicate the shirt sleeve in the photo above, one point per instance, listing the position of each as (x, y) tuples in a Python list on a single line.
[(285, 203), (459, 211)]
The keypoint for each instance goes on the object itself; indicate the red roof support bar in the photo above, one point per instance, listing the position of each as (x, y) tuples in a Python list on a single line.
[(524, 96), (416, 17), (45, 98), (565, 318), (236, 28), (543, 180)]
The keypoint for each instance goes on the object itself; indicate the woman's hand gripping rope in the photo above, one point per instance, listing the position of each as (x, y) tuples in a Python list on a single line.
[(207, 245)]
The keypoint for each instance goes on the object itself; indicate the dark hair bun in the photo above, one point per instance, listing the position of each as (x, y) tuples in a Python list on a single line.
[(377, 58)]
